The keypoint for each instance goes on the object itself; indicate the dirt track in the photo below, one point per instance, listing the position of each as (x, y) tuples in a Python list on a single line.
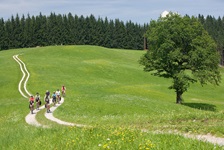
[(31, 118)]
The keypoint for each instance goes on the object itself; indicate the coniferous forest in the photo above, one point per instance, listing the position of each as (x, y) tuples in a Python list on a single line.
[(56, 29), (215, 27), (41, 30)]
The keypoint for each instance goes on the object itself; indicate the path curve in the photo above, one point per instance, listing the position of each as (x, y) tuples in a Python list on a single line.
[(31, 118), (52, 118), (15, 57), (27, 78)]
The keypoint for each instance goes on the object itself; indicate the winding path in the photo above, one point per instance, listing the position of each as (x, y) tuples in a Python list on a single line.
[(15, 57), (31, 118)]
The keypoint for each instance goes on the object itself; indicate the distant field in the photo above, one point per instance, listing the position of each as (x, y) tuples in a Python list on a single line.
[(107, 89)]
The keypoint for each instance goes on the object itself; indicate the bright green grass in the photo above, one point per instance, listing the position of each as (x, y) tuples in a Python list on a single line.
[(107, 89)]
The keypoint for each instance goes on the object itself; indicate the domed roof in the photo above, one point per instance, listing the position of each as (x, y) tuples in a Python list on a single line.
[(164, 14)]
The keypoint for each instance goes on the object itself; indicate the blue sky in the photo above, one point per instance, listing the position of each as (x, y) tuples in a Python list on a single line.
[(138, 11)]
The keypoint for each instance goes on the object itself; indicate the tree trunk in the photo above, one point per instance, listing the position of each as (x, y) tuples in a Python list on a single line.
[(179, 97)]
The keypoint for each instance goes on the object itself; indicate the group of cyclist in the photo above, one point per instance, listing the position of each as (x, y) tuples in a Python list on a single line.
[(56, 98)]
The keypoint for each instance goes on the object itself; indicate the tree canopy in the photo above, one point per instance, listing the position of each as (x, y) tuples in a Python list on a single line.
[(180, 48)]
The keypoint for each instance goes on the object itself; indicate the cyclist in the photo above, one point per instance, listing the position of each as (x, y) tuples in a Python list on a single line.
[(54, 98), (31, 104), (47, 100), (38, 102), (58, 93), (47, 103), (63, 89)]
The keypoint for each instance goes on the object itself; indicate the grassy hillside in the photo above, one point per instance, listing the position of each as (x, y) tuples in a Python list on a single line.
[(107, 89)]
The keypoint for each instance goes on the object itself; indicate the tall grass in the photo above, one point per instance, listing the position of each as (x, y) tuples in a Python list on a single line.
[(108, 90)]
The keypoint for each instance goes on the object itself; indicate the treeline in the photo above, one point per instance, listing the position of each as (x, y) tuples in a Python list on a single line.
[(41, 30), (215, 27)]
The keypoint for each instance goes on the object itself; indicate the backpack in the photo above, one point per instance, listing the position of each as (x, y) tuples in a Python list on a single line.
[(54, 96)]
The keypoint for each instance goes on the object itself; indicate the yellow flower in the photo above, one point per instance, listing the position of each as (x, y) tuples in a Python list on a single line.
[(105, 146)]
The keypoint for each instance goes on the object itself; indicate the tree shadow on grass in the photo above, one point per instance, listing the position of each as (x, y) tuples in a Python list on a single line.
[(201, 106)]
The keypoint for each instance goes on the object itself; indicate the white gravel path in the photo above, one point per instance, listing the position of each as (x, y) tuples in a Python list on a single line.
[(31, 118), (52, 118), (208, 138), (15, 57)]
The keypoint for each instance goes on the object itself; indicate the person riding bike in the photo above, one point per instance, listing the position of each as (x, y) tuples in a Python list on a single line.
[(47, 103), (54, 98), (58, 93), (47, 100), (31, 104), (63, 89), (47, 94), (38, 102)]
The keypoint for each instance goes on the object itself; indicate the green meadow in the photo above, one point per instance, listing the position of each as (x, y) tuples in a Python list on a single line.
[(107, 90)]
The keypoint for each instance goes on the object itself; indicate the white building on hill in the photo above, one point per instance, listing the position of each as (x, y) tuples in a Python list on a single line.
[(164, 14)]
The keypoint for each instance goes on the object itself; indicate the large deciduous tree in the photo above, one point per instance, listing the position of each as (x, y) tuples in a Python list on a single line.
[(181, 49)]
